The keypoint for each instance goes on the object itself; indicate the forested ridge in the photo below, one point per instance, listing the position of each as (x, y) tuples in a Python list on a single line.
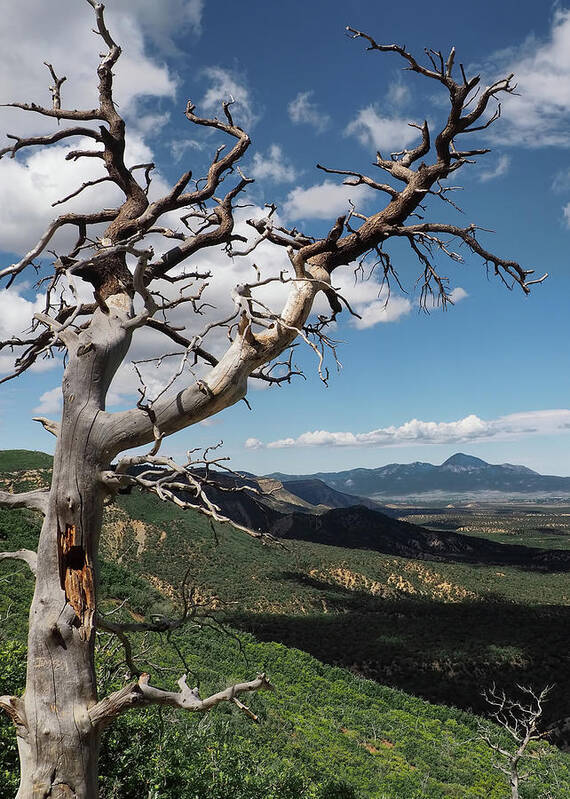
[(325, 731)]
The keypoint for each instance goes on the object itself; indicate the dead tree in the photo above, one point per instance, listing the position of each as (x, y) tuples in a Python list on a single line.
[(520, 719), (60, 718)]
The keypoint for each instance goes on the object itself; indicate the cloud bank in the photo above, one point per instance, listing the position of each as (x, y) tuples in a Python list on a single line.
[(470, 428)]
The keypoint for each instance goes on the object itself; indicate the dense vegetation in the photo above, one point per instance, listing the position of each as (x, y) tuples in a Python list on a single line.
[(440, 630), (434, 629), (538, 523)]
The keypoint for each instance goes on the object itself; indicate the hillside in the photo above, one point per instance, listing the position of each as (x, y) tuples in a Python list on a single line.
[(317, 492), (360, 527), (271, 508), (16, 460), (459, 474), (416, 628)]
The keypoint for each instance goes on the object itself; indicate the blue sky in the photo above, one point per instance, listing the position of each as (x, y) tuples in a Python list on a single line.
[(490, 375)]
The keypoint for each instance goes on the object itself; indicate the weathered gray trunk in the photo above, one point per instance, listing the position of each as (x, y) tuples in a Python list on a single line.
[(59, 753), (59, 757)]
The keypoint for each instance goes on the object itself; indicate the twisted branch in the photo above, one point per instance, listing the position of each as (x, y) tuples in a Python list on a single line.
[(29, 557)]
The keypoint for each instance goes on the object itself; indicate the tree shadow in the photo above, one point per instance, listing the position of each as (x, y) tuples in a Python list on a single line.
[(361, 528), (445, 652)]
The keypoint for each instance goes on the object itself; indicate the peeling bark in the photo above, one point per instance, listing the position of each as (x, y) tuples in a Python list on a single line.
[(76, 578)]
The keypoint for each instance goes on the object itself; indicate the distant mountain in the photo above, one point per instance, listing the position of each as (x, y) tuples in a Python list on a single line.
[(274, 507), (459, 474)]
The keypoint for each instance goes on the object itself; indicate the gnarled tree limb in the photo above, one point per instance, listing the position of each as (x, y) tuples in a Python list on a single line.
[(142, 693), (48, 424), (33, 500), (27, 555)]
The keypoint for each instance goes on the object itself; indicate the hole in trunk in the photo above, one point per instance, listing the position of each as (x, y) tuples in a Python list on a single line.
[(75, 558)]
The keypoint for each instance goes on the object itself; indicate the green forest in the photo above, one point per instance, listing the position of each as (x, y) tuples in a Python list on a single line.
[(378, 663)]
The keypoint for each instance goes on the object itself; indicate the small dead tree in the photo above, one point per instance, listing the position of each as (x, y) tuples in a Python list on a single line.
[(520, 718), (111, 283)]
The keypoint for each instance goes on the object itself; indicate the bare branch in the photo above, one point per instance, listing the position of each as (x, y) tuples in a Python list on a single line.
[(467, 235), (120, 633), (83, 186), (437, 74), (360, 180), (14, 707), (48, 424), (102, 28), (57, 113), (174, 483), (221, 216), (52, 138), (33, 500), (66, 219), (141, 693), (26, 555), (56, 88), (286, 370), (174, 335)]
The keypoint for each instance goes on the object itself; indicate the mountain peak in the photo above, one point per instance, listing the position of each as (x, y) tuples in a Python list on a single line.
[(465, 461)]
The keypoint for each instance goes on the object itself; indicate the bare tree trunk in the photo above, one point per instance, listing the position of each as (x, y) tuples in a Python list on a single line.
[(59, 752), (59, 756)]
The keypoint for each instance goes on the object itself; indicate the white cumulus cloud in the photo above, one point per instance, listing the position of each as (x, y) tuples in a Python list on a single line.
[(61, 34), (225, 85), (399, 94), (16, 314), (470, 428), (500, 168), (273, 166), (39, 177), (159, 21), (380, 310), (302, 110), (324, 200), (539, 116), (50, 403), (378, 132)]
